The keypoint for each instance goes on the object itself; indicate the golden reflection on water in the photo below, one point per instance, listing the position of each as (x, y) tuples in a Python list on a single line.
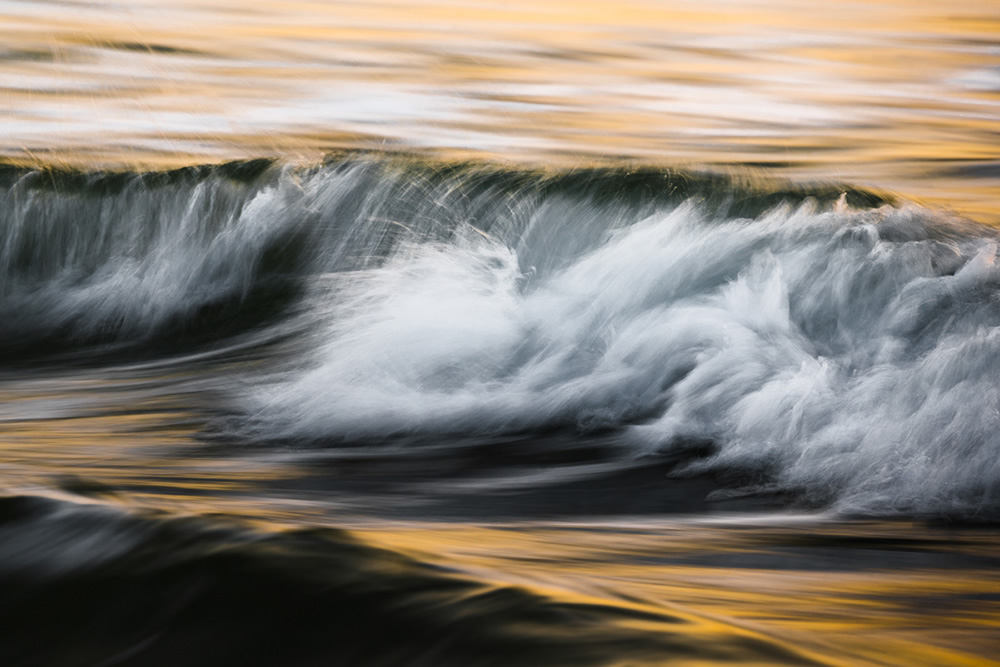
[(886, 614), (902, 95), (838, 592), (125, 434)]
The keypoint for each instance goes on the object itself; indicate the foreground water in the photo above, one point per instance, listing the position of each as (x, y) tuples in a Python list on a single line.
[(513, 333)]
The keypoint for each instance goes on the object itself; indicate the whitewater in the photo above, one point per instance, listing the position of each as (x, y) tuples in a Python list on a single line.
[(825, 344)]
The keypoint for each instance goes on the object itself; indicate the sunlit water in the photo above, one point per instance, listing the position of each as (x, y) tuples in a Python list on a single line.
[(900, 94), (614, 334)]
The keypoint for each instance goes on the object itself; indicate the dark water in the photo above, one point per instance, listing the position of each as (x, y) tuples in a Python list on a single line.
[(208, 372), (119, 589)]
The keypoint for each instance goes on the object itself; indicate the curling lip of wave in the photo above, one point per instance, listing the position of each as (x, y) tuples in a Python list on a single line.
[(204, 252)]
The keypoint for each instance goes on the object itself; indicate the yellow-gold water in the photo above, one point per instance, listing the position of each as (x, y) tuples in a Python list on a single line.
[(899, 95), (832, 591)]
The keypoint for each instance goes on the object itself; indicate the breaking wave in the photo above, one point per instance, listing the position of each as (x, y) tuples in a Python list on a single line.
[(823, 341)]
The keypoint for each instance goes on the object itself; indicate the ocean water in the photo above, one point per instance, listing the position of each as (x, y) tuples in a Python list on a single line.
[(504, 333)]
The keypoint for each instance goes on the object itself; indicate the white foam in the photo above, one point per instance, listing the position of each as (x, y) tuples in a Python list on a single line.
[(830, 351)]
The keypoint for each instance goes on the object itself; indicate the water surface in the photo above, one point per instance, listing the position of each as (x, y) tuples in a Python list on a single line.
[(515, 333), (901, 95)]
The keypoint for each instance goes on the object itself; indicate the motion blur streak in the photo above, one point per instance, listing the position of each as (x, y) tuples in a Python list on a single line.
[(472, 332)]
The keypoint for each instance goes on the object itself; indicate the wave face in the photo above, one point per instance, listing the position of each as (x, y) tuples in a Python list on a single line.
[(112, 257), (827, 343), (120, 257)]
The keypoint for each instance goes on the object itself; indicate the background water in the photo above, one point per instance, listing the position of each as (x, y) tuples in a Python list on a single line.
[(610, 333), (901, 94)]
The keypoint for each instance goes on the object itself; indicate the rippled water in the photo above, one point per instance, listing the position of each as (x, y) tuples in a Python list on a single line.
[(613, 334), (898, 94)]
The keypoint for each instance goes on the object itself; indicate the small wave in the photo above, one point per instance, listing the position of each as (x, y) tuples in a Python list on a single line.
[(90, 584)]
